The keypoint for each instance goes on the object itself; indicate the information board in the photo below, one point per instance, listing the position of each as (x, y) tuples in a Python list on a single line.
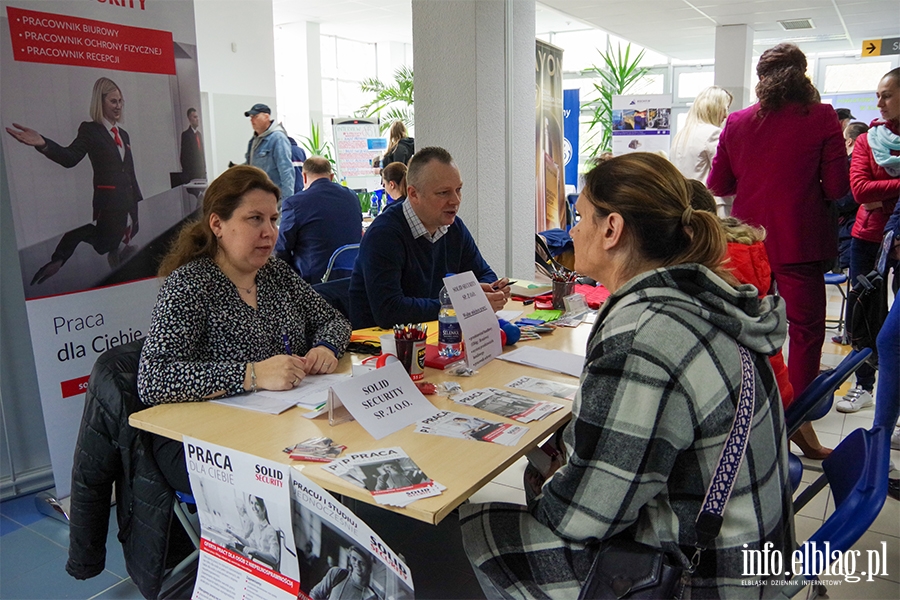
[(357, 144)]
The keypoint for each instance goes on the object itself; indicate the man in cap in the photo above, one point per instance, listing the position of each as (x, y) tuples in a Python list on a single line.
[(269, 148)]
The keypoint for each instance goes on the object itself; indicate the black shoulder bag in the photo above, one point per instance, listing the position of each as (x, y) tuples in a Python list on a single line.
[(625, 568)]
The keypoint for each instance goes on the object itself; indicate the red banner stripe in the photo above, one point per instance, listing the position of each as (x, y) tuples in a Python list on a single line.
[(74, 387), (49, 38)]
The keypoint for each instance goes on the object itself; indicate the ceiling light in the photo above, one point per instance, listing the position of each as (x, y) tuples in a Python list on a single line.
[(794, 24)]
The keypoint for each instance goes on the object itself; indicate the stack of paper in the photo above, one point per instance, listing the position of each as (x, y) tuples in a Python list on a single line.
[(388, 473), (551, 360), (311, 392), (507, 404)]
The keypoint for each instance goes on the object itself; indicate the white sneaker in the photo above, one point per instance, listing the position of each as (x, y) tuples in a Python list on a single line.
[(856, 399), (895, 438)]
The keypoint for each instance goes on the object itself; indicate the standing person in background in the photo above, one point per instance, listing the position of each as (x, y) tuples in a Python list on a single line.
[(844, 116), (193, 162), (875, 180), (116, 191), (783, 159), (401, 147), (695, 144), (269, 148), (298, 157)]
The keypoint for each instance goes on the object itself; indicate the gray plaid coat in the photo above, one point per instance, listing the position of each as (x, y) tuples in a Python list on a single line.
[(656, 402)]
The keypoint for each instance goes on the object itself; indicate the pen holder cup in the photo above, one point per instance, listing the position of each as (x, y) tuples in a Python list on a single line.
[(561, 289), (412, 356)]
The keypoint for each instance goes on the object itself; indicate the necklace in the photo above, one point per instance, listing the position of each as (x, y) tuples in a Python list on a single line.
[(248, 290)]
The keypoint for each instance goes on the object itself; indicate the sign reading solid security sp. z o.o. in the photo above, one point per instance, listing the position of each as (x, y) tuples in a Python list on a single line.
[(881, 47)]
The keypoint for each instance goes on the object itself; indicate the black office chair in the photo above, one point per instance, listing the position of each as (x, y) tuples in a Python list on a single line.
[(109, 451)]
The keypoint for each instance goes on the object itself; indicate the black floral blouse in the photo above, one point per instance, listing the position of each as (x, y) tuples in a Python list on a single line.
[(202, 334)]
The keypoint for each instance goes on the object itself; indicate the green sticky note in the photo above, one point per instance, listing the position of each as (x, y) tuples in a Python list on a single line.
[(545, 315)]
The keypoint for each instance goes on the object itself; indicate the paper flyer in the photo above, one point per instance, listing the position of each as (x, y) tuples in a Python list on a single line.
[(247, 545), (459, 425), (389, 474), (507, 404), (339, 555), (545, 387)]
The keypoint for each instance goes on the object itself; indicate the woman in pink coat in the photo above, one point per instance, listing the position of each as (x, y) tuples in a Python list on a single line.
[(784, 159)]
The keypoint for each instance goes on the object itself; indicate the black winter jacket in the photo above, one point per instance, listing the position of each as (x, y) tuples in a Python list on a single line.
[(109, 450), (403, 151)]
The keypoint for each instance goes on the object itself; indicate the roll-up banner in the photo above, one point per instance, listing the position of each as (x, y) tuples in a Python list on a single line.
[(99, 148), (550, 180), (571, 123)]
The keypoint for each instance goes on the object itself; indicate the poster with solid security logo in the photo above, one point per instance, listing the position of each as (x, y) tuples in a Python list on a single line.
[(247, 547), (340, 556), (94, 99)]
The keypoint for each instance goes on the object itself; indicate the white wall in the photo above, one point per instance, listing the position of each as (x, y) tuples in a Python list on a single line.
[(474, 66), (236, 53)]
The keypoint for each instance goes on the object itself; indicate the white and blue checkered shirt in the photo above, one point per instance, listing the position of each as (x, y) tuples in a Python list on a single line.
[(416, 226)]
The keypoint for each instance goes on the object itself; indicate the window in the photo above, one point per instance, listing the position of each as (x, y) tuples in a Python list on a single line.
[(345, 64), (853, 77), (692, 81)]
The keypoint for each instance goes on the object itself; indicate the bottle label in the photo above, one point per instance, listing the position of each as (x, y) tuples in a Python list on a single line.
[(449, 333)]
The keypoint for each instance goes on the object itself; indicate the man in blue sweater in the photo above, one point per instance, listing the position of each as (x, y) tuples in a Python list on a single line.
[(412, 245), (317, 221)]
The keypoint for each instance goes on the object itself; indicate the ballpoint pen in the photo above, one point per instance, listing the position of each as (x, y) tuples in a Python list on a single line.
[(287, 343)]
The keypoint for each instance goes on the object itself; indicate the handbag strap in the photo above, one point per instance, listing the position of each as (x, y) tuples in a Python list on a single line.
[(709, 521)]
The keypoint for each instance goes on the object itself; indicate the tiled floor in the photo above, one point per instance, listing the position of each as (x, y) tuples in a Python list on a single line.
[(33, 547)]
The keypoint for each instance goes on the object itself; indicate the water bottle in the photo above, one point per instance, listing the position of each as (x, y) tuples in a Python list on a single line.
[(449, 333)]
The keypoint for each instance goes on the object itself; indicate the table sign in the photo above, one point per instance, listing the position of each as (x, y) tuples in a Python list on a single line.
[(383, 401), (479, 325), (247, 537)]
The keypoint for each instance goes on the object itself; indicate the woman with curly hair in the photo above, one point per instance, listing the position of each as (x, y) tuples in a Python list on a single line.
[(784, 161)]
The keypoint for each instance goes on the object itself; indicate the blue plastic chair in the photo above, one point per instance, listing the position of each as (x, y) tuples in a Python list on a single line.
[(839, 280), (341, 259), (815, 401), (857, 472), (813, 404)]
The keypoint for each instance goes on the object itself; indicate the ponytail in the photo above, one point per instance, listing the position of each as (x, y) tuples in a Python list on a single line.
[(654, 201)]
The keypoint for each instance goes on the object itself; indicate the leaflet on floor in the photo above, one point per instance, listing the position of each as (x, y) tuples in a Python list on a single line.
[(459, 425), (340, 556), (507, 404), (247, 545)]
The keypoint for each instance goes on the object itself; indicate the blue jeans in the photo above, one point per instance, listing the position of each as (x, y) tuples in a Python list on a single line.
[(862, 260)]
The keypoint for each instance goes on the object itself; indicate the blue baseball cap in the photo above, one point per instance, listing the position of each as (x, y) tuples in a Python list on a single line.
[(258, 108)]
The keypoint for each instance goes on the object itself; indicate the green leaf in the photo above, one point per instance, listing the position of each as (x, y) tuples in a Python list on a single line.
[(392, 101), (617, 73)]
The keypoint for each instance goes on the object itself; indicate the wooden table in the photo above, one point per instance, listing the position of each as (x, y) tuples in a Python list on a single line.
[(463, 466)]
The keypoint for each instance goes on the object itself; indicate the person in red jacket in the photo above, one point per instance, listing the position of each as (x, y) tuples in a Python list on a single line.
[(747, 261), (875, 181), (783, 159)]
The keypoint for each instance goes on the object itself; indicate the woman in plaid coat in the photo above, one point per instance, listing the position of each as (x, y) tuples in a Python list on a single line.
[(656, 402)]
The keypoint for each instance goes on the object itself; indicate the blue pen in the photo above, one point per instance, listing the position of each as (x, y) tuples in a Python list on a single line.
[(287, 343)]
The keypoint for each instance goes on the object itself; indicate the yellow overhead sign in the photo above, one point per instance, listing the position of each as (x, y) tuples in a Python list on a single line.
[(881, 47)]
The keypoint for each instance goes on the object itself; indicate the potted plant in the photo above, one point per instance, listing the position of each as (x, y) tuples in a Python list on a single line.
[(618, 72), (396, 100)]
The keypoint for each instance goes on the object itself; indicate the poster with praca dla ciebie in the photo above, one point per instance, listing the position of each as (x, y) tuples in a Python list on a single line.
[(247, 547)]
